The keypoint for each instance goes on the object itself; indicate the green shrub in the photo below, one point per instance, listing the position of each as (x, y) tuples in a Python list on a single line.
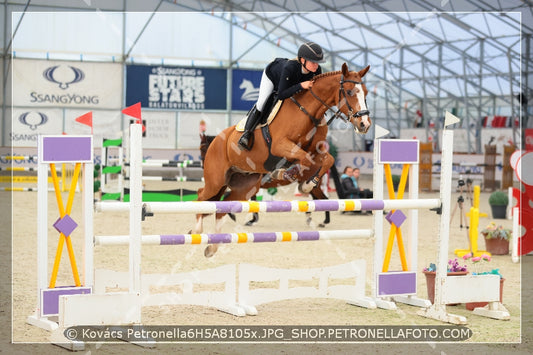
[(498, 198)]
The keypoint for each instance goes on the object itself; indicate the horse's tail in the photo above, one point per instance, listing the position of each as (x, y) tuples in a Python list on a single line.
[(205, 141)]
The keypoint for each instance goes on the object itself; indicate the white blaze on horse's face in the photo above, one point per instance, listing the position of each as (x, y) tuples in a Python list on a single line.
[(365, 120)]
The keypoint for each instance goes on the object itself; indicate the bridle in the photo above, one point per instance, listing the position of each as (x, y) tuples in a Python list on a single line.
[(338, 113), (343, 93)]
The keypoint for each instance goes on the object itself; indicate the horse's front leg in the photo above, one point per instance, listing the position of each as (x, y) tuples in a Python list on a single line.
[(291, 151), (324, 161), (318, 194)]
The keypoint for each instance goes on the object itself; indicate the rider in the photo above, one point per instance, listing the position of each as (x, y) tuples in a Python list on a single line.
[(286, 78)]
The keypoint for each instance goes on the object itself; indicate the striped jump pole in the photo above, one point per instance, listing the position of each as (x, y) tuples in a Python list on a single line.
[(272, 206), (17, 168), (236, 238), (170, 164), (19, 157), (162, 178), (20, 189)]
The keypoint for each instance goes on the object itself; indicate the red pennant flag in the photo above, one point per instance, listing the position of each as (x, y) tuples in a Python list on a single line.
[(134, 111), (86, 119)]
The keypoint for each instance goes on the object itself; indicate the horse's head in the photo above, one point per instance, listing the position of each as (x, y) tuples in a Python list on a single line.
[(352, 98)]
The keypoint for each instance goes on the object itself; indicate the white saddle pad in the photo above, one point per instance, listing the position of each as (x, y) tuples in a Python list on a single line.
[(240, 126)]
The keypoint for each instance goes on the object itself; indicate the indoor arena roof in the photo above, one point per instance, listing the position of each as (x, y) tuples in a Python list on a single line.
[(465, 51)]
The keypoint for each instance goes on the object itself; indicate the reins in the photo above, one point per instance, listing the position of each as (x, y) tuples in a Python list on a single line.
[(338, 113)]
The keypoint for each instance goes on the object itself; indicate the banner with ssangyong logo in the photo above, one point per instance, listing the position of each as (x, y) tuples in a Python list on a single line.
[(176, 88), (67, 84), (28, 124), (245, 89)]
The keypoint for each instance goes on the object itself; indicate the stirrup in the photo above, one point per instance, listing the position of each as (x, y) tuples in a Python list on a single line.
[(244, 141)]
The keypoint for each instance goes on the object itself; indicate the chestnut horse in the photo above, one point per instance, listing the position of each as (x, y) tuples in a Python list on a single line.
[(298, 149), (206, 140)]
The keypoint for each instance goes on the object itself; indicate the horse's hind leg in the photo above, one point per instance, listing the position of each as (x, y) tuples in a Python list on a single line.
[(318, 194), (243, 189), (254, 220), (255, 215), (198, 228), (211, 249)]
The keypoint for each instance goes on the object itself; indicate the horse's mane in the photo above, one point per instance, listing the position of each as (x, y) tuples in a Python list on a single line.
[(327, 74)]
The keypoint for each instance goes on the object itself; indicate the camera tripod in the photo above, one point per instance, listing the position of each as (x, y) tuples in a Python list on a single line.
[(460, 200)]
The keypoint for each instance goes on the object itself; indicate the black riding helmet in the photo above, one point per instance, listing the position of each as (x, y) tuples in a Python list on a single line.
[(312, 52)]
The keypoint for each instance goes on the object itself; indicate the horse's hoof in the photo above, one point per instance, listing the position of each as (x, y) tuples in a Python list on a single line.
[(209, 251), (254, 220), (321, 225), (232, 216)]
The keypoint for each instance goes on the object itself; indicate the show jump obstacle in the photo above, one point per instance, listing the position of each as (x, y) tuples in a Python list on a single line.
[(470, 288), (53, 150), (388, 286), (64, 306), (100, 308)]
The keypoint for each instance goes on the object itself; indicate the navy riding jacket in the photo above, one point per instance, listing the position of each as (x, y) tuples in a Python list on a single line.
[(286, 75)]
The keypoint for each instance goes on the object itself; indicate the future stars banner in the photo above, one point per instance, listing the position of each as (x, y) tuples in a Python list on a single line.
[(176, 88)]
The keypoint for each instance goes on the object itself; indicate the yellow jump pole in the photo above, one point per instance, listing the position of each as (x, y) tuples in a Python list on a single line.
[(395, 230), (390, 188), (70, 201), (473, 232), (62, 237), (63, 177), (15, 157), (388, 179), (401, 190), (59, 249)]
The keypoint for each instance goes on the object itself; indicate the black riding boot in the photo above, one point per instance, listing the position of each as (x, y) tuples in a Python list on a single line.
[(251, 123)]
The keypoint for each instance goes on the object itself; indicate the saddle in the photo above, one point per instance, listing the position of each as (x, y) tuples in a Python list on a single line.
[(239, 127), (273, 163)]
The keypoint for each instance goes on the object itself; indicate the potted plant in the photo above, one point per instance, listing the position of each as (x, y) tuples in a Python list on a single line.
[(497, 239), (476, 260), (453, 269), (498, 201)]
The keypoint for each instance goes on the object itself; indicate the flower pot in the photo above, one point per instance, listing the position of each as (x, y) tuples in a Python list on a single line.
[(430, 282), (499, 211), (497, 246), (471, 305)]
